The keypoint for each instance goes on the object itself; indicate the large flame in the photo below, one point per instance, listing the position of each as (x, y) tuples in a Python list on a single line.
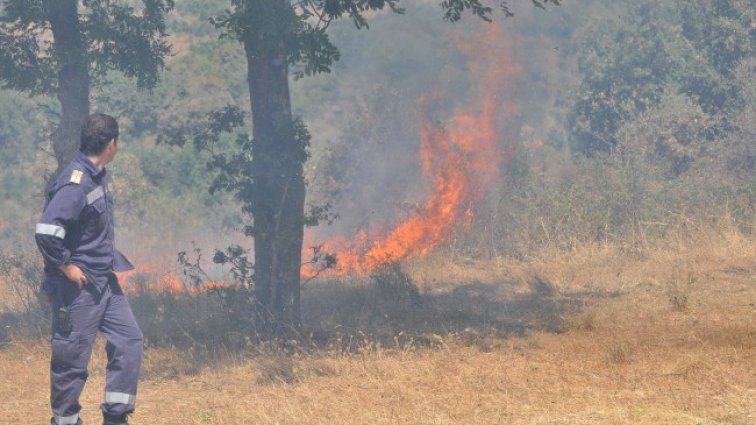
[(460, 159)]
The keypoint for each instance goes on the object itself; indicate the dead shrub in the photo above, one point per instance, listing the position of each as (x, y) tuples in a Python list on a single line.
[(320, 369), (395, 285), (542, 287), (279, 366), (619, 352), (585, 321), (276, 369), (679, 300), (678, 292)]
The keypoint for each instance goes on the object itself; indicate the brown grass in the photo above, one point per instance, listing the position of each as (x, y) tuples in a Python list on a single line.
[(667, 335)]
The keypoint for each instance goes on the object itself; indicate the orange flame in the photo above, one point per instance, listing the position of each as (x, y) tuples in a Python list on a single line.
[(151, 279), (460, 159)]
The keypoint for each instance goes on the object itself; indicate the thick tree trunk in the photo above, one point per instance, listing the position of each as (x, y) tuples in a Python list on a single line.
[(73, 78), (279, 190)]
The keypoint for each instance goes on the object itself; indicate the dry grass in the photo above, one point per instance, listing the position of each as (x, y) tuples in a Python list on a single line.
[(666, 335)]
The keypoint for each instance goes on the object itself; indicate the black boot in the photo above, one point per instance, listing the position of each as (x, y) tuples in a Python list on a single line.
[(114, 420)]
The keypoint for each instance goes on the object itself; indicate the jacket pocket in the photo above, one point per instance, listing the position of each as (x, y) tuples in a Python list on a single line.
[(99, 205)]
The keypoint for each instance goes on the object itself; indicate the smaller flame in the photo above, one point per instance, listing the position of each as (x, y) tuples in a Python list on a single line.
[(151, 279)]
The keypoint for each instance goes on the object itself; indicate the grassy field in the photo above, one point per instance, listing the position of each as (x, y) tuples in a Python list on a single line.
[(661, 333)]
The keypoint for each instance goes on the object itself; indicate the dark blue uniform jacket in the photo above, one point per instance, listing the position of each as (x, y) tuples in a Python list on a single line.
[(77, 225)]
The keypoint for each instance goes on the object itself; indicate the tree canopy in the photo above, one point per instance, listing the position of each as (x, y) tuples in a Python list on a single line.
[(117, 35), (628, 63)]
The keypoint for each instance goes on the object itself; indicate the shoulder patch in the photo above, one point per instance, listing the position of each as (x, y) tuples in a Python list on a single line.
[(76, 176)]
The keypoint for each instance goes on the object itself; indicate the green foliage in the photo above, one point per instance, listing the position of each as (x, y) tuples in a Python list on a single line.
[(22, 130), (541, 4), (742, 161), (298, 31), (625, 197), (627, 64), (22, 66), (118, 37), (206, 77), (317, 214), (131, 186), (672, 171), (127, 40), (672, 135), (327, 11), (269, 29), (242, 269), (22, 278), (208, 132), (453, 9)]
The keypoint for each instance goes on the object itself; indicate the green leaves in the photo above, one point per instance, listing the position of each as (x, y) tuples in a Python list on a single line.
[(542, 3), (297, 30), (687, 47), (312, 52), (118, 36), (329, 10), (23, 13), (208, 131), (453, 9), (22, 66), (124, 39)]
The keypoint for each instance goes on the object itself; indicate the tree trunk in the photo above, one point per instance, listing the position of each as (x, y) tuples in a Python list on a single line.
[(73, 78), (278, 190)]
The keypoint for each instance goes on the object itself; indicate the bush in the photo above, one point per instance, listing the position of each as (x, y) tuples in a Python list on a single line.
[(21, 278)]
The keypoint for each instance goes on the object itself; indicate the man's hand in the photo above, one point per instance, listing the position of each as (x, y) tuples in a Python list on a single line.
[(74, 274)]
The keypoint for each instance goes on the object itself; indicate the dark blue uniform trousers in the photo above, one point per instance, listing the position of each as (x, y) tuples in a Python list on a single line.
[(90, 310)]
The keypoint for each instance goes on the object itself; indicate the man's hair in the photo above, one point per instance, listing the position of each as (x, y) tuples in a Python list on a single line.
[(96, 132)]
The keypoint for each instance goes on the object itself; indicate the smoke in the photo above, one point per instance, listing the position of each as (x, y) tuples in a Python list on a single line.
[(444, 156), (414, 136)]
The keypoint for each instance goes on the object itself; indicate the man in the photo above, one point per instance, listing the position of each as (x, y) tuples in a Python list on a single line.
[(75, 236)]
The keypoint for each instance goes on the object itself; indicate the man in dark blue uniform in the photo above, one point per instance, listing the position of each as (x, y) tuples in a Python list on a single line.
[(76, 238)]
